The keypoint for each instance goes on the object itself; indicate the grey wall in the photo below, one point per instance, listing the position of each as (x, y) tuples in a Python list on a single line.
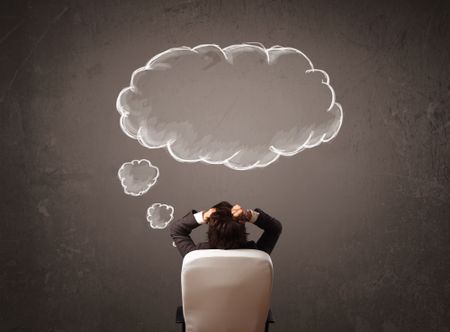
[(366, 218)]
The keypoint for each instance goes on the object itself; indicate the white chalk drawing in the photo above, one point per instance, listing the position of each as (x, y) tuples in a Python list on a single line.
[(137, 176), (159, 215), (242, 106)]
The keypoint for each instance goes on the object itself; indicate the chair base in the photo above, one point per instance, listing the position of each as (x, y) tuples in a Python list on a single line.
[(179, 319)]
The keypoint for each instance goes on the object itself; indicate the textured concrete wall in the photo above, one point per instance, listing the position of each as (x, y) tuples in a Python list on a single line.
[(366, 218)]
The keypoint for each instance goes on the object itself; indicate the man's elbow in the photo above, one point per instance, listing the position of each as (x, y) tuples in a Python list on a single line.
[(173, 229), (278, 227)]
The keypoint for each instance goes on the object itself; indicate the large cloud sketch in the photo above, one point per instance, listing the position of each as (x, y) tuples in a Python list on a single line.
[(137, 176), (159, 215), (242, 106)]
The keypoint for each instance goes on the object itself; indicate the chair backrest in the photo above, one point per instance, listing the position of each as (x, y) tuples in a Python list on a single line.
[(226, 290)]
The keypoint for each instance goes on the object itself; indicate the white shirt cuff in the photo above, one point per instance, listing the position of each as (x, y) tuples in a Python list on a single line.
[(254, 217), (199, 217)]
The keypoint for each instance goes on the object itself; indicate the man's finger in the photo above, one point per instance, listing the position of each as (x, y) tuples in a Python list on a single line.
[(237, 212)]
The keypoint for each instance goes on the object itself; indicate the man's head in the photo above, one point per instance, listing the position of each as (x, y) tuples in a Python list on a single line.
[(224, 231)]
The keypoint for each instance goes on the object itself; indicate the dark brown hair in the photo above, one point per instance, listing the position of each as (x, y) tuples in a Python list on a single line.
[(225, 232)]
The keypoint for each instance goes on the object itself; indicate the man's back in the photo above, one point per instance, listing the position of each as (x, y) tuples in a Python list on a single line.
[(180, 232)]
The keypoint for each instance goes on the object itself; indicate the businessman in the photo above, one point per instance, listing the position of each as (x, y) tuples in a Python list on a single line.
[(226, 229)]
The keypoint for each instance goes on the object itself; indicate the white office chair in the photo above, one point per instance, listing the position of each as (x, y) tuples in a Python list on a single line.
[(226, 291)]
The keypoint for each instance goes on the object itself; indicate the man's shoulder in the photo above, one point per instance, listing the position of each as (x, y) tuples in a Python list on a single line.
[(250, 245), (203, 245), (247, 245)]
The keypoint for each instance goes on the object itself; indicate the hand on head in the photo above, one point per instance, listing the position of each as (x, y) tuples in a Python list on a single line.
[(207, 214), (240, 214)]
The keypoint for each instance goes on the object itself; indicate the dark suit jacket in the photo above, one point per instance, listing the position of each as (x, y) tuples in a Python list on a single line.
[(181, 229)]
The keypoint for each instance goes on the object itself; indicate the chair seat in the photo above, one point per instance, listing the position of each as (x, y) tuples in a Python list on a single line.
[(179, 319)]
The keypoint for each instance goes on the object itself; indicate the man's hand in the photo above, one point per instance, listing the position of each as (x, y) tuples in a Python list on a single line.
[(207, 214), (240, 213)]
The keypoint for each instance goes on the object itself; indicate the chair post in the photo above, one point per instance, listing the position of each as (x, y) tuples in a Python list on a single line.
[(179, 318)]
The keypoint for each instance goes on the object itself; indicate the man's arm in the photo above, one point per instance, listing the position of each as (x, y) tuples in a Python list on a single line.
[(272, 230), (181, 229)]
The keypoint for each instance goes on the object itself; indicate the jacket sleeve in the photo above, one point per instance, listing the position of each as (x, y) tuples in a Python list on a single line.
[(272, 229), (180, 231)]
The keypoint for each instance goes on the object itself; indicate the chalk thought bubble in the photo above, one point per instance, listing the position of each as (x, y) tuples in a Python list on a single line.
[(137, 176), (159, 215), (242, 106)]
